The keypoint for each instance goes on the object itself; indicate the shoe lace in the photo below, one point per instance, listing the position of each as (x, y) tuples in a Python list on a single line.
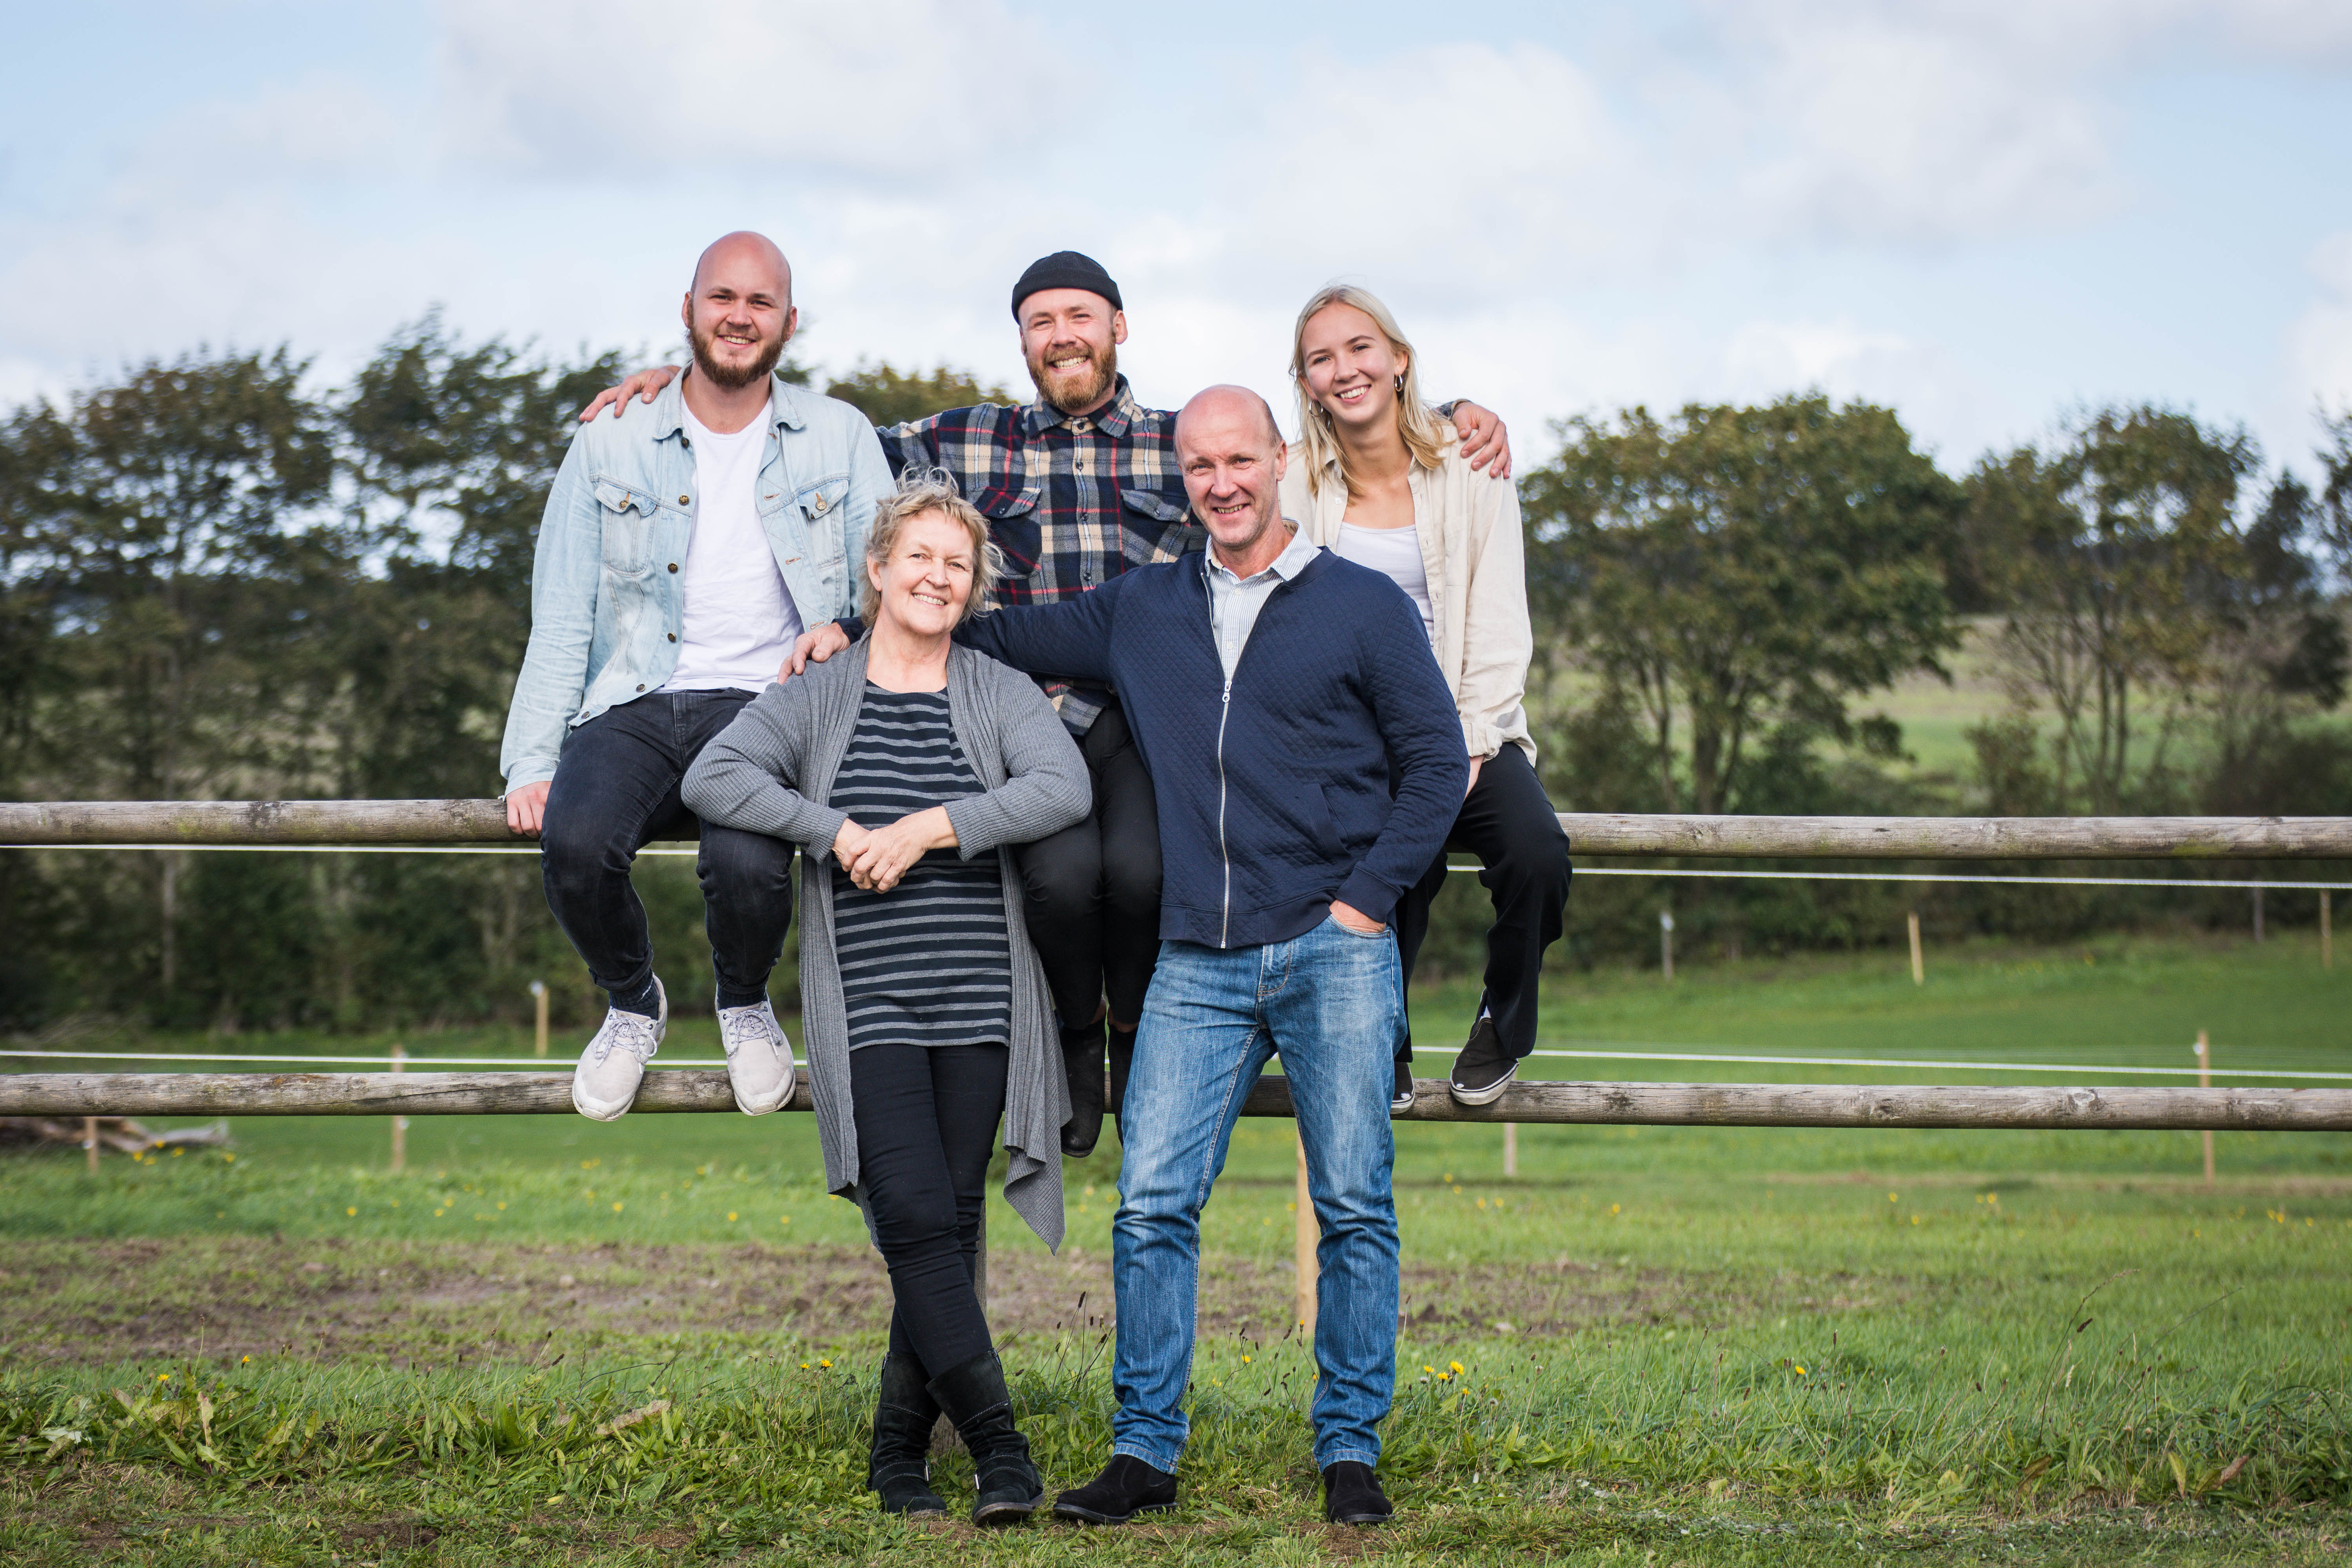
[(632, 1031), (740, 1026)]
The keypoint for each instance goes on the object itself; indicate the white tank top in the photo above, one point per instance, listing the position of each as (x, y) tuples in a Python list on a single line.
[(1396, 554)]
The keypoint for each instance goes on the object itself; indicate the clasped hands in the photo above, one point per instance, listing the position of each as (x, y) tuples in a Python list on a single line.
[(875, 858)]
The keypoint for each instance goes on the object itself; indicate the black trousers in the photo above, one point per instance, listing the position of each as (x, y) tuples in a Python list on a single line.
[(1092, 890), (615, 791), (925, 1120), (1507, 822)]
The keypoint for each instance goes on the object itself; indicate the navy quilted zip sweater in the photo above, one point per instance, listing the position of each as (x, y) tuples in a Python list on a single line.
[(1333, 768)]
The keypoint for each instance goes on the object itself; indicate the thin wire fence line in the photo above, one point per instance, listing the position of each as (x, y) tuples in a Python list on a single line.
[(1580, 870), (537, 1063), (1957, 877), (531, 1063), (1893, 1062)]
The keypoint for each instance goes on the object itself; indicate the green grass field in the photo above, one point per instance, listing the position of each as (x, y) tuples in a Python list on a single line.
[(1668, 1345)]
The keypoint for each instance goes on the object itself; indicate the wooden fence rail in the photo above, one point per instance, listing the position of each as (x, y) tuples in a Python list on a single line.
[(1641, 1104), (454, 822)]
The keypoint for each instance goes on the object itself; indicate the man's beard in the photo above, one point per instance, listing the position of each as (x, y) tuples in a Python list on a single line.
[(722, 376), (1078, 396)]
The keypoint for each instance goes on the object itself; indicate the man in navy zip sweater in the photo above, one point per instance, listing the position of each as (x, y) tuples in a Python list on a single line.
[(1307, 765)]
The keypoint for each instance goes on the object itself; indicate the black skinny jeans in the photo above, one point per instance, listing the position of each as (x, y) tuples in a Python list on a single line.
[(615, 791), (925, 1120), (1508, 823), (1091, 892)]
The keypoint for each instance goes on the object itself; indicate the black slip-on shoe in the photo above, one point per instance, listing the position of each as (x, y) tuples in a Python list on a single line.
[(1401, 1100), (1352, 1495), (1484, 1069), (1126, 1488)]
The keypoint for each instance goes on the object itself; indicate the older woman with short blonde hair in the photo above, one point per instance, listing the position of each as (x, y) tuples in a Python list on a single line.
[(907, 767), (1379, 478)]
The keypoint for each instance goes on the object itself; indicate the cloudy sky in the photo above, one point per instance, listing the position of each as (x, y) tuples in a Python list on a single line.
[(1985, 212)]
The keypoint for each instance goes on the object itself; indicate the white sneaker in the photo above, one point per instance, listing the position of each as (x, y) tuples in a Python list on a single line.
[(605, 1082), (758, 1057)]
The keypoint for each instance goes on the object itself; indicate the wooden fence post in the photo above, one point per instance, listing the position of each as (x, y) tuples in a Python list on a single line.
[(538, 1020), (90, 1140), (1666, 942), (1307, 1234), (399, 1123), (2205, 1081), (1918, 963), (1511, 1148)]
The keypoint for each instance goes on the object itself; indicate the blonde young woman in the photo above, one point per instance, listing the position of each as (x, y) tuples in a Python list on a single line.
[(907, 769), (1379, 478)]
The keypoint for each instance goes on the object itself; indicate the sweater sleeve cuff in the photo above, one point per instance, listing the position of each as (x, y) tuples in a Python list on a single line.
[(826, 819), (1368, 896), (976, 819), (528, 773)]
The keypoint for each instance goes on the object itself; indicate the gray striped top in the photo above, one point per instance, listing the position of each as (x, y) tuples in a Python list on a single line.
[(925, 963), (789, 739)]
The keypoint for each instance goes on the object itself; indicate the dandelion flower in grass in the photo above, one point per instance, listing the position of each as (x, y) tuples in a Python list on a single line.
[(163, 1378), (1801, 1371), (730, 1217), (1454, 1365), (502, 1205), (1246, 1361), (804, 1366), (1426, 1367), (826, 1364), (228, 1159), (617, 1208), (351, 1211)]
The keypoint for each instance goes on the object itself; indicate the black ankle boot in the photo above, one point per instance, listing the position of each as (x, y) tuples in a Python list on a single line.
[(1122, 1056), (973, 1395), (899, 1465), (1082, 1059)]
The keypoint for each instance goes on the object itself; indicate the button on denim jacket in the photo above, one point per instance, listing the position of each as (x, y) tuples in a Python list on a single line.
[(607, 595)]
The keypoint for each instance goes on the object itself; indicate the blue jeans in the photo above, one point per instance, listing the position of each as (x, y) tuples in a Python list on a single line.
[(1332, 1003)]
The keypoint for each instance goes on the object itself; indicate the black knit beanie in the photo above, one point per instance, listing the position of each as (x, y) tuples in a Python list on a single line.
[(1066, 269)]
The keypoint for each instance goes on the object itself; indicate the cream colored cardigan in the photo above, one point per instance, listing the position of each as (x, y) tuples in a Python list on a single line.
[(1469, 525)]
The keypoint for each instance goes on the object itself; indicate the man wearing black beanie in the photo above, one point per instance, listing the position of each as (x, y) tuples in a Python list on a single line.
[(1077, 487)]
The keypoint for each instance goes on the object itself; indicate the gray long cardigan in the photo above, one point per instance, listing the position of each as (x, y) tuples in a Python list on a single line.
[(772, 770)]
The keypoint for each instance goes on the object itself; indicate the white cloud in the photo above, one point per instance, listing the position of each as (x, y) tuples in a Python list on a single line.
[(2319, 345), (896, 90), (1484, 165)]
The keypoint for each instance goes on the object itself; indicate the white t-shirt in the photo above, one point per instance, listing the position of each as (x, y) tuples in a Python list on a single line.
[(1396, 552), (739, 619)]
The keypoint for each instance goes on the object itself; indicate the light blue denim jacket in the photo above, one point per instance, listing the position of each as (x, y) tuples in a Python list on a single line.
[(606, 585)]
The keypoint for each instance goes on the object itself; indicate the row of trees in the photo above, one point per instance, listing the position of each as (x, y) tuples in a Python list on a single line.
[(216, 580)]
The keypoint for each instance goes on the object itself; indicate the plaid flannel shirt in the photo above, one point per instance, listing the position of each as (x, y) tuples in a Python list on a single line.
[(1072, 499)]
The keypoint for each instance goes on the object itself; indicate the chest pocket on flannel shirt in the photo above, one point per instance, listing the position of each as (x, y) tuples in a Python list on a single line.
[(1158, 528), (1013, 523)]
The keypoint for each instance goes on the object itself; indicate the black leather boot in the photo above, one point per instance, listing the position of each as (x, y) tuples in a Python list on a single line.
[(973, 1395), (898, 1466), (1122, 1056), (1082, 1058)]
